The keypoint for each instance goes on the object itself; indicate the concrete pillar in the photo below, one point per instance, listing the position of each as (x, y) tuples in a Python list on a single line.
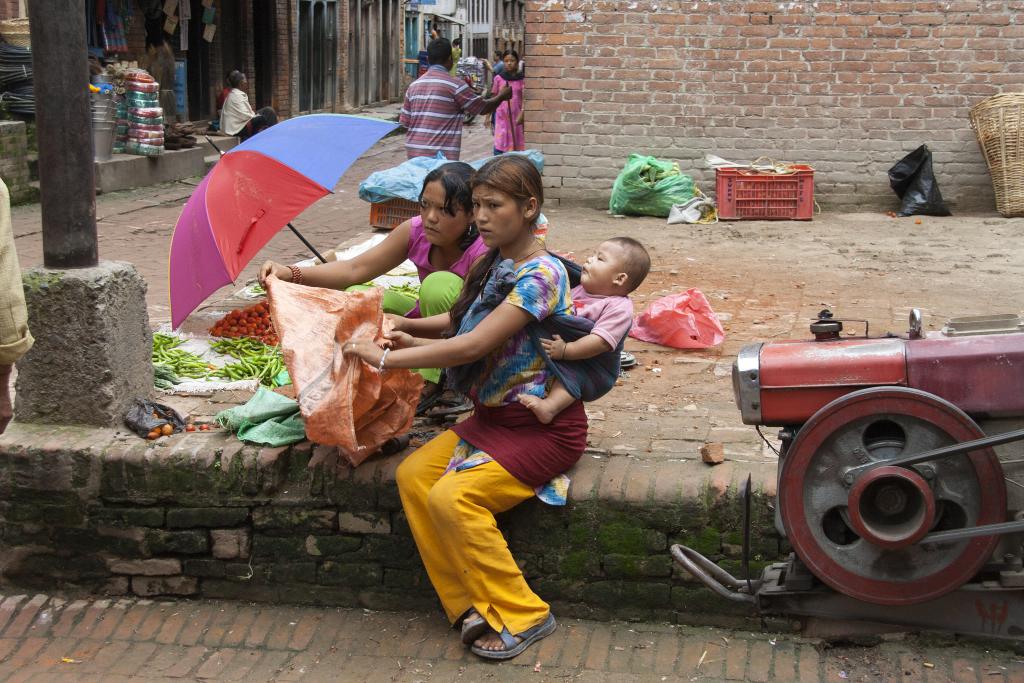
[(91, 356), (93, 345)]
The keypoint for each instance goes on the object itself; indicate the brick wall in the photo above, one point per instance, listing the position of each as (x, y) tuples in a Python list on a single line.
[(847, 87), (203, 514), (283, 58), (9, 9)]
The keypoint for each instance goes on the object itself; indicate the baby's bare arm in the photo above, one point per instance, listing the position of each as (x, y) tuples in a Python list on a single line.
[(583, 348)]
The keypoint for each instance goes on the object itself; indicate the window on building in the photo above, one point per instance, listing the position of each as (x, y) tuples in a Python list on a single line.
[(318, 20)]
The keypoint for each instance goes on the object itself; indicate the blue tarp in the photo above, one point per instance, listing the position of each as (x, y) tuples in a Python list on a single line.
[(406, 180)]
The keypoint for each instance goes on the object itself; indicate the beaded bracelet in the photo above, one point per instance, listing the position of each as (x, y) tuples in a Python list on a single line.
[(380, 368), (296, 274)]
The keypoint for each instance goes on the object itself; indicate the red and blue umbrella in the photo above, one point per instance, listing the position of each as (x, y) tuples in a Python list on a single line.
[(254, 190)]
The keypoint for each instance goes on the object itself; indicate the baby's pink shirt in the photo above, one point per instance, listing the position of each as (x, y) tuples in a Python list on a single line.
[(612, 315)]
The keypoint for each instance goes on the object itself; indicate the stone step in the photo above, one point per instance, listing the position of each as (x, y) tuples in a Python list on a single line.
[(204, 514), (126, 171)]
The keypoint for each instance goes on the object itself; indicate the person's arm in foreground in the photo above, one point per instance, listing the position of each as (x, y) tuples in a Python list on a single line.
[(491, 103), (15, 338), (342, 274), (427, 329), (500, 325)]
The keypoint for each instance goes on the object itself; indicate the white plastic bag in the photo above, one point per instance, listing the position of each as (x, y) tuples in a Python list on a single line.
[(700, 209)]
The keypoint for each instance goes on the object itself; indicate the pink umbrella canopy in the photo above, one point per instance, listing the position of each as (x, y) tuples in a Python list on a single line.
[(254, 191)]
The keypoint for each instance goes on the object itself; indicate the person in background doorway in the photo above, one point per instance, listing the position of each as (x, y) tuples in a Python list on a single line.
[(222, 96), (436, 104), (509, 133), (159, 62), (237, 116), (456, 55), (15, 338)]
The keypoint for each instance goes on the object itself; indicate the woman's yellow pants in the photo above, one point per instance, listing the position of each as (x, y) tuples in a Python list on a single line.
[(452, 520)]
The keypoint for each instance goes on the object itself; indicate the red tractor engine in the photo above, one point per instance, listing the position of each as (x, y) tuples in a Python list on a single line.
[(891, 483)]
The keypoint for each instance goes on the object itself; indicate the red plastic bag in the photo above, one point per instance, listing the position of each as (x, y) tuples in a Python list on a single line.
[(344, 402), (682, 321)]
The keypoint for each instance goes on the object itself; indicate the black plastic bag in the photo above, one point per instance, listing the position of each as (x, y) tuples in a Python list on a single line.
[(914, 182), (145, 416)]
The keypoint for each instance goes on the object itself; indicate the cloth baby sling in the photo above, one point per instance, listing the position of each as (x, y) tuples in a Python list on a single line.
[(588, 379)]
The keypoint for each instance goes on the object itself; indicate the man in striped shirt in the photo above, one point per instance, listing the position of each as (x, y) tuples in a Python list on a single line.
[(436, 104)]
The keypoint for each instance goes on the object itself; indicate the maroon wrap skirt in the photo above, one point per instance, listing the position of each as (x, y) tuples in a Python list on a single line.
[(529, 450)]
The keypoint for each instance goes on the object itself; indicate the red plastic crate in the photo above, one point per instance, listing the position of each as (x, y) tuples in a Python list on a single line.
[(392, 213), (746, 195)]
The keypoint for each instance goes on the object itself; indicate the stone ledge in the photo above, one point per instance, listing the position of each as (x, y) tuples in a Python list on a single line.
[(85, 508), (125, 171)]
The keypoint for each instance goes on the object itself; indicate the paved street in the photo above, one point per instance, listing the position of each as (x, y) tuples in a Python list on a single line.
[(46, 639)]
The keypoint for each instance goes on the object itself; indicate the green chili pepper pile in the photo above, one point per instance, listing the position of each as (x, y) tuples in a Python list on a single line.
[(409, 290), (255, 359), (181, 363)]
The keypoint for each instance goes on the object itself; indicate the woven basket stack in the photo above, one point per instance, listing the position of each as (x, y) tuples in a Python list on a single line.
[(998, 122), (15, 32)]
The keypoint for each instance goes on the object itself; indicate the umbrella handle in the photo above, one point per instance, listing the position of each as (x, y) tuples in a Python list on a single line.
[(214, 145), (308, 245)]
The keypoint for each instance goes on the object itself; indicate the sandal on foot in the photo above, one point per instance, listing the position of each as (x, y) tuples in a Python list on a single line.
[(429, 399), (450, 403), (514, 648), (473, 628)]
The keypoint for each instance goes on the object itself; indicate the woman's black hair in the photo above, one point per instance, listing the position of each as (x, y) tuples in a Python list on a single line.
[(506, 53), (516, 176), (235, 78), (455, 178)]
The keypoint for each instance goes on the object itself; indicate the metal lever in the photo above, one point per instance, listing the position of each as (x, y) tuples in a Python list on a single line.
[(711, 575), (935, 454), (745, 497), (972, 532)]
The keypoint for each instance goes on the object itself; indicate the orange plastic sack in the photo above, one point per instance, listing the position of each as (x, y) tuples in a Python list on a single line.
[(682, 321), (345, 402)]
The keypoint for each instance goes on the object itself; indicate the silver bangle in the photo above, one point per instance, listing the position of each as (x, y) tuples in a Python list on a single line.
[(380, 368)]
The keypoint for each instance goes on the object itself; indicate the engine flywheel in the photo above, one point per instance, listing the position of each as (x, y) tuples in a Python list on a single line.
[(860, 535)]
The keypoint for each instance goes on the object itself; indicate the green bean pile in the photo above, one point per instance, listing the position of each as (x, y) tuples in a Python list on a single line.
[(410, 290), (255, 359), (181, 363)]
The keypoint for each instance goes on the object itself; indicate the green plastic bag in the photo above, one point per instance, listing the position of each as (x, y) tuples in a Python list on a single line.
[(649, 187), (267, 418)]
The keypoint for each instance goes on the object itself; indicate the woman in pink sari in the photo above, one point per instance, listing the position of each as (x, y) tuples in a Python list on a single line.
[(508, 118)]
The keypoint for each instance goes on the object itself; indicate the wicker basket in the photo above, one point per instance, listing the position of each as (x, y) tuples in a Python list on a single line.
[(999, 123), (15, 32)]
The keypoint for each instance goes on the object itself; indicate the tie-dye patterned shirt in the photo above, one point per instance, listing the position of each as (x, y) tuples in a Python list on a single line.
[(541, 289)]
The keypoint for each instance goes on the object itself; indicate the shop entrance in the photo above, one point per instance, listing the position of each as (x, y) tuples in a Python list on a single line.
[(263, 12), (197, 68), (318, 54), (374, 63)]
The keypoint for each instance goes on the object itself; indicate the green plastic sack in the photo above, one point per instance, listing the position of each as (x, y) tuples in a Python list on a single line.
[(649, 187), (267, 418)]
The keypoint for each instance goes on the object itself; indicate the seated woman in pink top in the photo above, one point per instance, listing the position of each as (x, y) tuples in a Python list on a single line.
[(442, 241)]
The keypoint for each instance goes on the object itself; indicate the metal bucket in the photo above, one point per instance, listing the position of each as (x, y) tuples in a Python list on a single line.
[(102, 141)]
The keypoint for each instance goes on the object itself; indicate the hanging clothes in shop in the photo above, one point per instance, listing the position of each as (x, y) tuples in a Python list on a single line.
[(112, 21)]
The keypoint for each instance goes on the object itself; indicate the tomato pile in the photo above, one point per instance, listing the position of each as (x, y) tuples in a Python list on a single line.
[(254, 322)]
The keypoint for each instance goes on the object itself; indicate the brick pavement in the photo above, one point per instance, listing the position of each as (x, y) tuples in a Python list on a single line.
[(53, 639)]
